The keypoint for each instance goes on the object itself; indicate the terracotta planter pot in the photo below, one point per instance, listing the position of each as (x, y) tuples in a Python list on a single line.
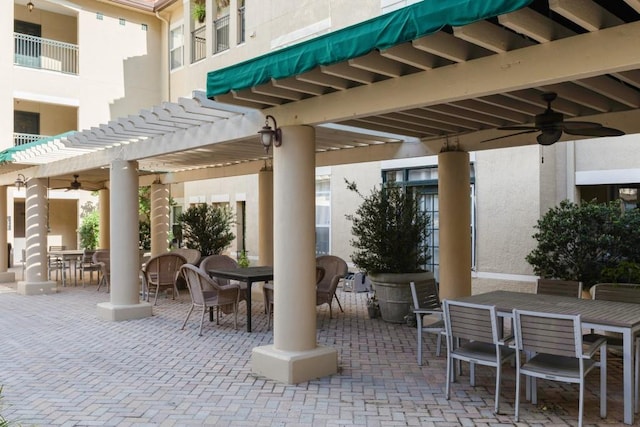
[(394, 294)]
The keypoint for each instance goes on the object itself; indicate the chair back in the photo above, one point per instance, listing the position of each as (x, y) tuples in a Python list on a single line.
[(87, 256), (566, 288), (162, 269), (474, 322), (103, 256), (548, 333), (57, 248), (425, 295), (619, 292), (218, 262), (194, 277), (191, 255), (335, 268)]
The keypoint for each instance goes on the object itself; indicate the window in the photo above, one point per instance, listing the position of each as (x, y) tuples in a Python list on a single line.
[(176, 44), (241, 23), (424, 182), (323, 215), (221, 34)]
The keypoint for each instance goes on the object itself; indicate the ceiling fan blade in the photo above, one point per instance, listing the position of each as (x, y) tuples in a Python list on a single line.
[(531, 130), (580, 125), (549, 137), (599, 131), (518, 127)]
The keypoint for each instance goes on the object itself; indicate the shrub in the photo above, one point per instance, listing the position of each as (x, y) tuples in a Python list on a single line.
[(88, 230), (207, 228)]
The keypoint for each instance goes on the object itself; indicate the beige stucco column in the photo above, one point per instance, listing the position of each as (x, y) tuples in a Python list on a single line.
[(124, 301), (295, 355), (455, 224), (5, 275), (265, 216), (36, 274), (105, 222), (159, 219)]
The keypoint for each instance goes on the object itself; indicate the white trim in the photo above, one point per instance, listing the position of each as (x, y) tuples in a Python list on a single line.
[(611, 176), (220, 198), (416, 162), (323, 170), (197, 199), (305, 32), (241, 197), (38, 97), (504, 276)]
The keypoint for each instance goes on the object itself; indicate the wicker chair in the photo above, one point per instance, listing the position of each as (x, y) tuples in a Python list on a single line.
[(472, 337), (206, 293), (102, 258), (554, 342), (426, 302), (223, 262), (191, 255), (564, 288), (335, 268), (161, 272)]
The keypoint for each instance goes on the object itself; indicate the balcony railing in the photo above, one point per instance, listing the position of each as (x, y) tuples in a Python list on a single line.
[(221, 34), (45, 54), (25, 138), (198, 44), (241, 25)]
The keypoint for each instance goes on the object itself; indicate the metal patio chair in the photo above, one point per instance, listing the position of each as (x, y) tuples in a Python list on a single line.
[(426, 302), (566, 288)]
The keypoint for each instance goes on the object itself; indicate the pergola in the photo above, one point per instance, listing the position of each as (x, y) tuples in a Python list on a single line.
[(427, 79)]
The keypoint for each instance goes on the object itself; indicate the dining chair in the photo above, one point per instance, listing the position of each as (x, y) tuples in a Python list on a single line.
[(267, 292), (620, 292), (426, 302), (102, 258), (54, 262), (473, 337), (206, 293), (566, 288), (161, 272), (85, 264), (223, 262), (553, 349), (191, 255), (335, 269)]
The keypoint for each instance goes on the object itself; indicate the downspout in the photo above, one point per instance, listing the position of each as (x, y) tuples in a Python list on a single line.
[(168, 57)]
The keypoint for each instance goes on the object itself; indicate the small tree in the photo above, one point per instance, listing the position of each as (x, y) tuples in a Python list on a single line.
[(207, 228), (89, 229)]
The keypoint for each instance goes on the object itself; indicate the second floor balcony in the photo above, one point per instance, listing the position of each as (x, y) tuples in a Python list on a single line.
[(25, 138), (45, 54)]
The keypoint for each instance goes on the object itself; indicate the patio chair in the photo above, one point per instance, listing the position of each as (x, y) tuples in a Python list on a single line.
[(191, 255), (85, 264), (554, 351), (565, 288), (335, 269), (426, 302), (620, 292), (472, 336), (161, 272), (206, 293), (223, 262), (54, 262), (267, 292), (102, 258)]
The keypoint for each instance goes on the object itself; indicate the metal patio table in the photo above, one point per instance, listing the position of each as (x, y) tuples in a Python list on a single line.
[(70, 255), (249, 275), (609, 316)]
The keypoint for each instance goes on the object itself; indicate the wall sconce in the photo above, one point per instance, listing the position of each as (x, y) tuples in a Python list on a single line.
[(20, 181), (30, 6), (270, 136)]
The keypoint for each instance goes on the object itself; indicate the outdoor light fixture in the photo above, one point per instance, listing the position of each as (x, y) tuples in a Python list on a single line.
[(270, 136), (20, 181), (30, 6)]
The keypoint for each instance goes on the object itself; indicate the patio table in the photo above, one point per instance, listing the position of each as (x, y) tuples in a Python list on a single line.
[(70, 255), (249, 275), (610, 316)]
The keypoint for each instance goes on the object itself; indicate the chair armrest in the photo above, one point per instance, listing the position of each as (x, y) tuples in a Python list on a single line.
[(427, 311), (508, 341), (591, 348)]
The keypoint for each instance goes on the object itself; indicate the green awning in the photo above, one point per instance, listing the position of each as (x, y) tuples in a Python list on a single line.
[(409, 23)]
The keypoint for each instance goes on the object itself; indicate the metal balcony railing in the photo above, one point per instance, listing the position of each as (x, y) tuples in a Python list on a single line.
[(221, 34), (45, 54), (241, 25), (25, 138), (198, 44)]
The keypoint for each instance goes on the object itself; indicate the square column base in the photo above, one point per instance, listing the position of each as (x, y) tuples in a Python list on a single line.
[(115, 313), (37, 288), (7, 277), (293, 367)]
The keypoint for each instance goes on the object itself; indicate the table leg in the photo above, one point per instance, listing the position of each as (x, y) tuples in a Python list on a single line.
[(627, 375), (249, 283)]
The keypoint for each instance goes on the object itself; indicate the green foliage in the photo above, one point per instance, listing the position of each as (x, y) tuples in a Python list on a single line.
[(243, 260), (89, 229), (580, 242), (624, 272), (199, 11), (207, 228), (389, 232)]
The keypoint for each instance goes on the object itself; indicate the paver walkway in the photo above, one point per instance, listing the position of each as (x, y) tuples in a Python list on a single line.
[(61, 365)]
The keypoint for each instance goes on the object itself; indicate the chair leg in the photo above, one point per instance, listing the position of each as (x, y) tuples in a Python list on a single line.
[(204, 311), (339, 305), (637, 373), (438, 344), (419, 330), (603, 382), (581, 403), (498, 375), (187, 318), (449, 376), (517, 403)]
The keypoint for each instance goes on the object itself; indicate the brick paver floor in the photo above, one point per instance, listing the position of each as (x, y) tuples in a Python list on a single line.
[(62, 366)]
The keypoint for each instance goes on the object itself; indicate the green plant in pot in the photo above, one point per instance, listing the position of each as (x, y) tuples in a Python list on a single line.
[(199, 11), (390, 244), (207, 228)]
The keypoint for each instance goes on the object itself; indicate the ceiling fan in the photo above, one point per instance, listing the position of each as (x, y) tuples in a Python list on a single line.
[(551, 126), (75, 184)]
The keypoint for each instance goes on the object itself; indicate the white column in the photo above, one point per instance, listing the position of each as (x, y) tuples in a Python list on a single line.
[(455, 224), (5, 275), (104, 226), (36, 274), (159, 219), (294, 356), (265, 216), (125, 302)]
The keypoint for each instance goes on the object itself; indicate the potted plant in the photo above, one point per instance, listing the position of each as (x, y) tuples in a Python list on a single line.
[(199, 11), (390, 240), (207, 228)]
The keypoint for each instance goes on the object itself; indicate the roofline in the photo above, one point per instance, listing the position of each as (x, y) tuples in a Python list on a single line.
[(143, 5)]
